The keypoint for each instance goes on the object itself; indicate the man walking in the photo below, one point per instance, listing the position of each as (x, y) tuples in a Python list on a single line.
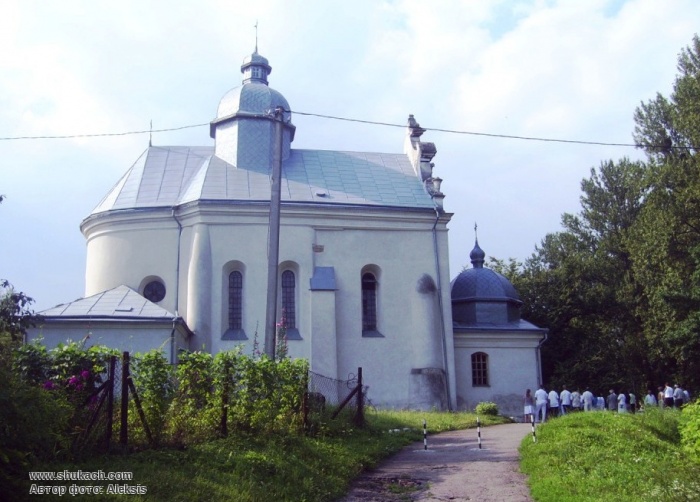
[(612, 400), (668, 396), (553, 403), (565, 398), (541, 404), (587, 398)]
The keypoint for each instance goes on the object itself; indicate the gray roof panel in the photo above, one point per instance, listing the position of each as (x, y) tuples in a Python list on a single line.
[(169, 176), (121, 301)]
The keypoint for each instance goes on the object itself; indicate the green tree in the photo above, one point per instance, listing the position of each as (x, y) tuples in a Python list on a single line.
[(579, 284), (15, 314), (666, 240)]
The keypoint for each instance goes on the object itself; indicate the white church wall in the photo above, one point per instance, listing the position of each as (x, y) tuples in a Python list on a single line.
[(512, 368), (399, 244), (125, 250)]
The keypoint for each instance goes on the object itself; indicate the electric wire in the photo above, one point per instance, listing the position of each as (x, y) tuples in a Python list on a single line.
[(361, 121)]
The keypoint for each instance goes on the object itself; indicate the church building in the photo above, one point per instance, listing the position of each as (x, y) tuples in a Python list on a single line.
[(177, 260)]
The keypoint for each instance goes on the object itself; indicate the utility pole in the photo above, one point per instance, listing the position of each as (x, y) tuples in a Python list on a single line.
[(273, 249)]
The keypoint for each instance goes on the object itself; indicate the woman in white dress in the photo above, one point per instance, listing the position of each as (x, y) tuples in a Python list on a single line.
[(622, 403)]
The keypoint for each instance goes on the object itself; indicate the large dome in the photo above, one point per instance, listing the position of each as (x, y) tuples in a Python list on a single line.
[(251, 97), (244, 128), (483, 296)]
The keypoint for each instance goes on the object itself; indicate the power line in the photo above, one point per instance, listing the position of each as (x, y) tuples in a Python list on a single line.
[(361, 121), (473, 133), (97, 135)]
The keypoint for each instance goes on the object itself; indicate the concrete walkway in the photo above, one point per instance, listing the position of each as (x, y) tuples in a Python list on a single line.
[(453, 468)]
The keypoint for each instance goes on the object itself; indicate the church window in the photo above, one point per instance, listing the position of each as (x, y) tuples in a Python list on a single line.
[(235, 300), (154, 291), (480, 369), (288, 298), (369, 302)]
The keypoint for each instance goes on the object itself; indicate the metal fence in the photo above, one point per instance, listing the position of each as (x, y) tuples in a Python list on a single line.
[(103, 422)]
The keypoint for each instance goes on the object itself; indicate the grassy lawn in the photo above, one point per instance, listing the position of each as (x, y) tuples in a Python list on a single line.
[(279, 468), (603, 456)]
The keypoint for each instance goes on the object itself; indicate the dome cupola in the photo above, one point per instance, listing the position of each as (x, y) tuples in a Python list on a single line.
[(255, 68), (481, 296), (243, 129)]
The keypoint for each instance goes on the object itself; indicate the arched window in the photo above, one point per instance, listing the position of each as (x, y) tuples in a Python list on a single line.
[(480, 369), (234, 309), (235, 300), (369, 302), (288, 298)]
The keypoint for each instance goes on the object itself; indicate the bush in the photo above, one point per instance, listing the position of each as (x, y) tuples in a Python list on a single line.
[(690, 429), (487, 408), (34, 427)]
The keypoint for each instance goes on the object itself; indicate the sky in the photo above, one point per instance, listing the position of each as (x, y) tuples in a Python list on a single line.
[(573, 70)]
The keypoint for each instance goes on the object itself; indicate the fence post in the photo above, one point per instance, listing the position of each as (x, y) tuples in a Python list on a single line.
[(360, 413), (224, 399), (123, 430), (110, 401), (305, 410)]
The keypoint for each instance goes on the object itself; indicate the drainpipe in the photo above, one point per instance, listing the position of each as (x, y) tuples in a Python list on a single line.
[(177, 287), (539, 357), (442, 313)]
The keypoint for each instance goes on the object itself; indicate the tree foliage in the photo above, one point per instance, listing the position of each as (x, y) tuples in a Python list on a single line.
[(619, 285)]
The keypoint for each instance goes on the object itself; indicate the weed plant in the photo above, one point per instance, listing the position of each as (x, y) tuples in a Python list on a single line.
[(603, 456)]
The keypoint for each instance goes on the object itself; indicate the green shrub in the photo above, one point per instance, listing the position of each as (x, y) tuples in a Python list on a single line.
[(154, 381), (33, 427), (487, 408), (690, 429)]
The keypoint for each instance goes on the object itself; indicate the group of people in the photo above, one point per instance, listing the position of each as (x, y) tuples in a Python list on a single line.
[(667, 396), (542, 404)]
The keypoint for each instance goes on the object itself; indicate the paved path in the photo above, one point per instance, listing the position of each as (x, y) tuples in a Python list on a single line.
[(453, 468)]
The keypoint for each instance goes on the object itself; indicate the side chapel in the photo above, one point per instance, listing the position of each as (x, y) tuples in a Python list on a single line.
[(177, 260)]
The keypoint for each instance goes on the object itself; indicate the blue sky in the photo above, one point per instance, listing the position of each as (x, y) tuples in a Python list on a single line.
[(553, 69)]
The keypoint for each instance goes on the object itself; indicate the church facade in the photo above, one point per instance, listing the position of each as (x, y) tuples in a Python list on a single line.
[(177, 259)]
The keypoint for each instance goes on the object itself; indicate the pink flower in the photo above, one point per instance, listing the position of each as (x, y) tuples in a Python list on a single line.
[(49, 385), (85, 374)]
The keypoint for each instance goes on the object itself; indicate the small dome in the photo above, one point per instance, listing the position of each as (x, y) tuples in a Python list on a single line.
[(256, 58), (477, 256), (481, 295)]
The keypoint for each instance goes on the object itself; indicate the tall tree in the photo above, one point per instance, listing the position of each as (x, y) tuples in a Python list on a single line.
[(666, 240), (579, 284)]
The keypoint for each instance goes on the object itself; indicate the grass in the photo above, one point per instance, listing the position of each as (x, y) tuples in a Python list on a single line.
[(603, 456), (247, 468)]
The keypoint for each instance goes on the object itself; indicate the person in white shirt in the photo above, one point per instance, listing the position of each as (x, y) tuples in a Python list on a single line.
[(565, 398), (632, 403), (621, 403), (576, 400), (540, 404), (677, 397), (650, 399), (553, 403), (587, 398), (668, 396)]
